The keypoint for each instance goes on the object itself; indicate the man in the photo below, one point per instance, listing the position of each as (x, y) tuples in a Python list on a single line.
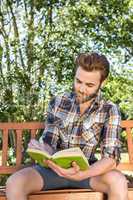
[(82, 118)]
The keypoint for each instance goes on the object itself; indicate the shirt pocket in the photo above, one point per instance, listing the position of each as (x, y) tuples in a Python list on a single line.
[(91, 135)]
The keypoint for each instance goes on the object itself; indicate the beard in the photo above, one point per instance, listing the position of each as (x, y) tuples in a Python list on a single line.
[(82, 98)]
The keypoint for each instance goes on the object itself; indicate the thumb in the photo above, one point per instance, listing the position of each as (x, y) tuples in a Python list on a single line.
[(75, 166)]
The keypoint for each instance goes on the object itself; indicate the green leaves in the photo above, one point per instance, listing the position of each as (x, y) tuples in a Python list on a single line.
[(39, 43)]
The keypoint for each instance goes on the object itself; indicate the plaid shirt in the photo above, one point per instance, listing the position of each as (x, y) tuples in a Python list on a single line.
[(99, 126)]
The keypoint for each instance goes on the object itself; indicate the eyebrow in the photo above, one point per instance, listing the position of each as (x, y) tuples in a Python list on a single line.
[(88, 84)]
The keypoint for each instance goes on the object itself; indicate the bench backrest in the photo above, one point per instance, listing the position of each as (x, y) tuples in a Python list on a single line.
[(18, 129), (33, 127), (127, 125)]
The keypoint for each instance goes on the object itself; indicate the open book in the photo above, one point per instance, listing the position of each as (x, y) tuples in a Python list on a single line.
[(62, 158)]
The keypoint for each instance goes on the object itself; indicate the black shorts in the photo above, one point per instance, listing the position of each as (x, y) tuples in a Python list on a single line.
[(53, 181)]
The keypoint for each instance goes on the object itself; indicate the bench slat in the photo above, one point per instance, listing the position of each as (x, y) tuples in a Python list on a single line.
[(22, 125), (9, 169), (125, 167), (34, 127), (130, 144), (61, 194), (19, 147), (33, 133), (127, 123), (69, 196), (4, 147)]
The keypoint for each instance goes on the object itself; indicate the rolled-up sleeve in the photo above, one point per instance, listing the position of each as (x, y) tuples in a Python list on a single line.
[(111, 144), (51, 132)]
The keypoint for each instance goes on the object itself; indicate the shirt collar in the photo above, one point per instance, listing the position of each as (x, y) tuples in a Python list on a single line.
[(98, 98), (94, 105)]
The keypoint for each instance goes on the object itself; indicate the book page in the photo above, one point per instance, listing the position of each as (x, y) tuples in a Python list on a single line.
[(36, 151), (71, 152), (68, 151)]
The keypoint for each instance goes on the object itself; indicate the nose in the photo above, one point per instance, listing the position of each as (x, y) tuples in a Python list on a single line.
[(82, 88)]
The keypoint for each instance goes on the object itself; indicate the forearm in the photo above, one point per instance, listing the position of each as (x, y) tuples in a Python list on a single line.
[(100, 167)]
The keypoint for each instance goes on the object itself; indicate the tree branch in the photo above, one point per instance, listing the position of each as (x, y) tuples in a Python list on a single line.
[(16, 32)]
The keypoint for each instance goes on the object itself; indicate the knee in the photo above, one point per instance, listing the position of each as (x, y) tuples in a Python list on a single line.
[(14, 185), (116, 180)]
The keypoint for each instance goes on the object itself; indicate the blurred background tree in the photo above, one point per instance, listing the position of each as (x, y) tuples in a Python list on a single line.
[(39, 41)]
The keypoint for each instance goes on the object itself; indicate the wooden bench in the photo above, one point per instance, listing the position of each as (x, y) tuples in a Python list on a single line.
[(17, 130)]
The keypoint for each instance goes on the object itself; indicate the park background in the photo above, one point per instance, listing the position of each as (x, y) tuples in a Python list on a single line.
[(39, 41)]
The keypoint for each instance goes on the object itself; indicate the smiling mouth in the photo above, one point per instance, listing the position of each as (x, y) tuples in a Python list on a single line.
[(84, 98), (81, 97)]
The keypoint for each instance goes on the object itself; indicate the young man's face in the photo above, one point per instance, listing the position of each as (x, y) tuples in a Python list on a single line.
[(86, 84)]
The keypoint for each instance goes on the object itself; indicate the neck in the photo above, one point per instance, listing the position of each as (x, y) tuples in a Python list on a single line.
[(85, 106)]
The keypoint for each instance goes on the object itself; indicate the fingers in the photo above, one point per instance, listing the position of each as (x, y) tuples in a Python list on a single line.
[(61, 171), (72, 173), (52, 165), (55, 167), (75, 166)]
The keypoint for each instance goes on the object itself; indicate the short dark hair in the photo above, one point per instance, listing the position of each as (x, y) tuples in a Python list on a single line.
[(93, 62)]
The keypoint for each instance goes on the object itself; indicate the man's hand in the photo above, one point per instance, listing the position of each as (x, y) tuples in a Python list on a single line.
[(73, 173)]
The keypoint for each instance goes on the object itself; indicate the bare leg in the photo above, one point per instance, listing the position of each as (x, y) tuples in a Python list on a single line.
[(113, 183), (22, 183)]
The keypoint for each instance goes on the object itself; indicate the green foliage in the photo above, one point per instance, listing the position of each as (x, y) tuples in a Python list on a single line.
[(119, 89), (39, 42)]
